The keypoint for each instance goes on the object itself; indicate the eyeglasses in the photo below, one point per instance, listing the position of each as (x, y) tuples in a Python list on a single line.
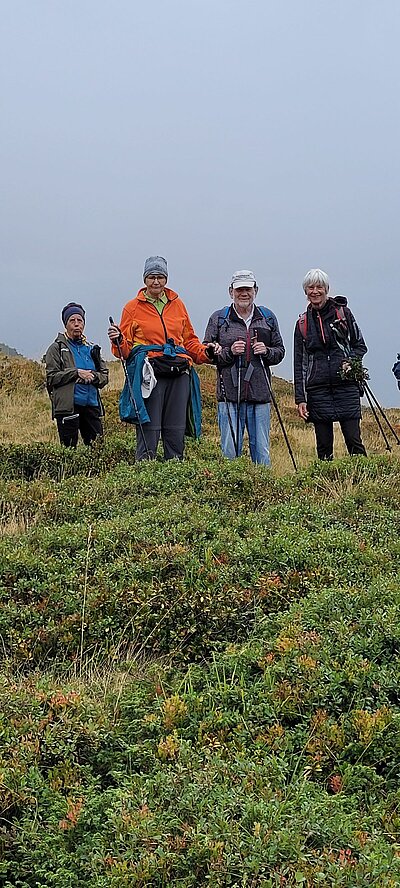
[(156, 277)]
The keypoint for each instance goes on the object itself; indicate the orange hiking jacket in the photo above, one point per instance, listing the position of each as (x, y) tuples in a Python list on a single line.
[(141, 324)]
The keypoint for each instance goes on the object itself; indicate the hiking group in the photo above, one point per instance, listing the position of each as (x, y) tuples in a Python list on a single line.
[(158, 347)]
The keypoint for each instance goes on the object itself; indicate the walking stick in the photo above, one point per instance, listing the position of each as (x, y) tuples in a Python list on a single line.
[(223, 390), (131, 395), (368, 397), (370, 393), (273, 399), (238, 403), (343, 342)]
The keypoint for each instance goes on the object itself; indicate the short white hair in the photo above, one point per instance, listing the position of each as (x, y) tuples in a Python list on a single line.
[(316, 276)]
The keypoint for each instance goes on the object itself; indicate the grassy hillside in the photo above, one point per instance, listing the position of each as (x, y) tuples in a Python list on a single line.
[(200, 677)]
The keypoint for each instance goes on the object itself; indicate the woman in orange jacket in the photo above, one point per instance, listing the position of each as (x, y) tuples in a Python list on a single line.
[(157, 316)]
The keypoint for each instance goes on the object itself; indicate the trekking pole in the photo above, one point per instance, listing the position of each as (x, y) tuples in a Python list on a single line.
[(238, 403), (223, 390), (380, 426), (370, 393), (131, 394), (273, 399)]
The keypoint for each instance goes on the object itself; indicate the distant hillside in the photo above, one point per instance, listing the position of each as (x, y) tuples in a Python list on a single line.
[(7, 350)]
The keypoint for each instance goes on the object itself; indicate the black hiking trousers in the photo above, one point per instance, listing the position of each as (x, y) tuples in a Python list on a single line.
[(351, 433), (85, 420), (167, 407)]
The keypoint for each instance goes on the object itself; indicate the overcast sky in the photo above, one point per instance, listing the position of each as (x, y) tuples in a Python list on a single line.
[(222, 134)]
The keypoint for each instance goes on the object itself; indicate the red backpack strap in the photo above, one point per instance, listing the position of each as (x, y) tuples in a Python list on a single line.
[(302, 324)]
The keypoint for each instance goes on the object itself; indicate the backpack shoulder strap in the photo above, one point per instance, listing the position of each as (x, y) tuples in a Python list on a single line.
[(303, 319), (266, 313), (222, 315), (340, 313), (302, 324)]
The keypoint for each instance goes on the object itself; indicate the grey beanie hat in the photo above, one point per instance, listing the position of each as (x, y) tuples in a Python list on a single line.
[(155, 265)]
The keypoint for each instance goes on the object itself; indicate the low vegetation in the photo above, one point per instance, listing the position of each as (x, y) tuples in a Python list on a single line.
[(200, 660)]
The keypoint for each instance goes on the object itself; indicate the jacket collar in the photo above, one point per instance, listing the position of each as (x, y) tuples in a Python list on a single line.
[(234, 316), (170, 294)]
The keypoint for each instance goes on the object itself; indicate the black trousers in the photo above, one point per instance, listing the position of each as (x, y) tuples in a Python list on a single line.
[(85, 420), (166, 406), (351, 433)]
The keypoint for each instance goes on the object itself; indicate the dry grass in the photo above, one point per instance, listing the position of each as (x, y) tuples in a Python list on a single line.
[(116, 378), (25, 415)]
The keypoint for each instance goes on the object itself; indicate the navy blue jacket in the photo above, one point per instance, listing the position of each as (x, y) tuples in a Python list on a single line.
[(317, 361)]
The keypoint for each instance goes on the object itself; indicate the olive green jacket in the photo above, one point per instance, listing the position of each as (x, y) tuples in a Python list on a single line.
[(61, 375)]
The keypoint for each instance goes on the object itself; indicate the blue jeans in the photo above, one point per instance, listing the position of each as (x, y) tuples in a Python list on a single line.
[(256, 418)]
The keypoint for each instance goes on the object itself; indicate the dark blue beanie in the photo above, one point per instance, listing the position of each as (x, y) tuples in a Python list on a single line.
[(73, 308)]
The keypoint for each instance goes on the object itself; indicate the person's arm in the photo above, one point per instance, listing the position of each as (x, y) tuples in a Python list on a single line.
[(122, 338), (56, 375), (100, 374), (192, 344), (224, 358), (299, 358), (357, 344), (276, 350)]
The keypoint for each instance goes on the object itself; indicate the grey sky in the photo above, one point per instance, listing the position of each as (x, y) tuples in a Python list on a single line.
[(221, 134)]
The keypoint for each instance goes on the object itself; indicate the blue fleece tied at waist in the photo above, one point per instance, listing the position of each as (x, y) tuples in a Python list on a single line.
[(134, 367)]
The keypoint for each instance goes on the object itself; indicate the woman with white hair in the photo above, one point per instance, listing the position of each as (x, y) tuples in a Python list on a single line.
[(326, 338)]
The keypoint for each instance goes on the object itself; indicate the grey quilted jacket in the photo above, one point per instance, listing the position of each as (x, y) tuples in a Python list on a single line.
[(225, 326)]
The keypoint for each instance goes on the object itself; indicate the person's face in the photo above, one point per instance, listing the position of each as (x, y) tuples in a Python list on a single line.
[(243, 297), (155, 284), (75, 326), (316, 295)]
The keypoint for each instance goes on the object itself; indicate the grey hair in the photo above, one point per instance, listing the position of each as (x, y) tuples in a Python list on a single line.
[(316, 276)]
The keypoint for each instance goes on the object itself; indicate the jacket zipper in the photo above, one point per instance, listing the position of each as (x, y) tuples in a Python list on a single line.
[(161, 319)]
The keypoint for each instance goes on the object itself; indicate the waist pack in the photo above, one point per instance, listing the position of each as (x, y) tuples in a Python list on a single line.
[(167, 365)]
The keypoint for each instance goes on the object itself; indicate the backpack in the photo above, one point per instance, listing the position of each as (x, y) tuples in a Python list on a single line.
[(339, 304)]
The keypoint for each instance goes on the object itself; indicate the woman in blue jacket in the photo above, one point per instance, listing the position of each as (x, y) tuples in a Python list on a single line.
[(75, 372)]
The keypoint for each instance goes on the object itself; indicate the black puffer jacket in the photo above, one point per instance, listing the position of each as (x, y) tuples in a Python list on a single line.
[(225, 326), (317, 361)]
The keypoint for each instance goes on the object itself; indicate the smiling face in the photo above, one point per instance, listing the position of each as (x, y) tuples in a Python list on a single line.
[(317, 295), (243, 298), (75, 326), (155, 284)]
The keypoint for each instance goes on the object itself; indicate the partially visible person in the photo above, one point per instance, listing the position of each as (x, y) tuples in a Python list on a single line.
[(396, 370), (323, 394), (75, 371), (247, 343), (158, 317)]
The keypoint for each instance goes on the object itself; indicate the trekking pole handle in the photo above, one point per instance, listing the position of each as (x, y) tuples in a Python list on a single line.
[(117, 341)]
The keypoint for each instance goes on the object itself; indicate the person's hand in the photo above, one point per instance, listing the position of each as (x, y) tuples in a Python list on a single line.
[(302, 410), (346, 366), (213, 349), (114, 333), (259, 348), (86, 376), (238, 347)]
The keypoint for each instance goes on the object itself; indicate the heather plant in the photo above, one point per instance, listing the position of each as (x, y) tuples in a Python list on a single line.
[(200, 667)]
